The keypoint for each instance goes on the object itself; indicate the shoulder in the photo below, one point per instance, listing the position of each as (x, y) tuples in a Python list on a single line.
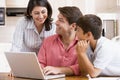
[(104, 41), (50, 40), (22, 23), (22, 19), (106, 45)]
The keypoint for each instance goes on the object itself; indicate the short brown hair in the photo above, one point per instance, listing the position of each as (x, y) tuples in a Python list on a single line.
[(91, 23), (71, 13)]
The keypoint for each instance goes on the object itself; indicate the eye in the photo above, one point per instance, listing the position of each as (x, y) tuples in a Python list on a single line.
[(36, 13), (60, 20), (43, 11)]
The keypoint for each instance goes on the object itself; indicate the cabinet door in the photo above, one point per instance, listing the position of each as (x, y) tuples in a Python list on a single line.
[(2, 3), (16, 3), (110, 28)]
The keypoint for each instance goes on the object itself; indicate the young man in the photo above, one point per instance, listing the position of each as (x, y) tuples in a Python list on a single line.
[(58, 54), (97, 55)]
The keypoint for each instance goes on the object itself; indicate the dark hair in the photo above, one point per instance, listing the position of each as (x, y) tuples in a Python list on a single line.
[(71, 13), (43, 3), (91, 23)]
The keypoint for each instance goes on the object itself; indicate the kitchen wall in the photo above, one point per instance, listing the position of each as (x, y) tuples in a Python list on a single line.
[(104, 5), (86, 6), (2, 3), (7, 30), (55, 5), (17, 3)]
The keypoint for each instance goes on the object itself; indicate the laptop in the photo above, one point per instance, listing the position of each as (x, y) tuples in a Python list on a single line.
[(26, 65)]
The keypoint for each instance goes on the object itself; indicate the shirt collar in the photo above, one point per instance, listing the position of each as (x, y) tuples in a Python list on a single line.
[(71, 44), (31, 25), (76, 38)]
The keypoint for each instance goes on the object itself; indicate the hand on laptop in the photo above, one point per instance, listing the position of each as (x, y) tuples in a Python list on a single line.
[(51, 70)]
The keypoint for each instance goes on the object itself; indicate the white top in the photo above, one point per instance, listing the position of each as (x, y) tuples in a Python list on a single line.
[(106, 57), (26, 37)]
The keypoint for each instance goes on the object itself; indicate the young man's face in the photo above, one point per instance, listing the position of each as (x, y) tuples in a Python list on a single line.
[(80, 34), (62, 25)]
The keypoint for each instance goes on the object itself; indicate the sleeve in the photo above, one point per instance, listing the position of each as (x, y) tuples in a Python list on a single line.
[(17, 41), (104, 56), (75, 68), (42, 55)]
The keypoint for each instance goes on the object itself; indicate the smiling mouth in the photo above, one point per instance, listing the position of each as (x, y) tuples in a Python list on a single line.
[(40, 20)]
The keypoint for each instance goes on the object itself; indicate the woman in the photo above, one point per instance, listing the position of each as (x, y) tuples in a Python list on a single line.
[(34, 27)]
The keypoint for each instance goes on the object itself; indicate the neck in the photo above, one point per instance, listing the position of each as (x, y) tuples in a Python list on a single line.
[(93, 44), (39, 27), (67, 39)]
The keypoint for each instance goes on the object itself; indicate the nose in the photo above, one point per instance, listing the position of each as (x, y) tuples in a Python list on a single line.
[(40, 15), (56, 22)]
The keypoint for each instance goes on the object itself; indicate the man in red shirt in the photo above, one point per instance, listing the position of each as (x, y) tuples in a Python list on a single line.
[(58, 54)]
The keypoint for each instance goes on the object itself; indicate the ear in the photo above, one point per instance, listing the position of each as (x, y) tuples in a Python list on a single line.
[(89, 35), (73, 26)]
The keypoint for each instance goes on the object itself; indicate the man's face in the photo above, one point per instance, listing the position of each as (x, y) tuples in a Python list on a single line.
[(62, 24)]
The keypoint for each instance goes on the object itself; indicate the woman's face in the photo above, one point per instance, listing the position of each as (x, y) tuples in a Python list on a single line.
[(39, 14)]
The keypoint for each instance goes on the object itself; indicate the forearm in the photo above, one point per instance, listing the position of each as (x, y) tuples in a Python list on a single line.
[(66, 70), (86, 67)]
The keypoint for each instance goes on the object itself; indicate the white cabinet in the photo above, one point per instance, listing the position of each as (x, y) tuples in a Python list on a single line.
[(16, 3), (110, 26), (2, 3)]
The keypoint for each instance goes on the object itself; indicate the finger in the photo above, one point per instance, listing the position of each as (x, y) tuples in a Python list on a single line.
[(88, 42), (81, 43), (84, 42), (46, 70), (49, 72)]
